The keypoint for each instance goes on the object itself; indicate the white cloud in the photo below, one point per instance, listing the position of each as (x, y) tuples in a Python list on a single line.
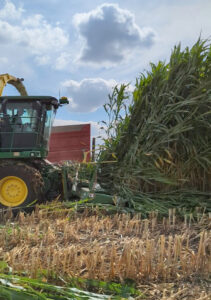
[(9, 11), (31, 35), (89, 94), (3, 60), (63, 61), (38, 39), (33, 22), (43, 60), (111, 34)]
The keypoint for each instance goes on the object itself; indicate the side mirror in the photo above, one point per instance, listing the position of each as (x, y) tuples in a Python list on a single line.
[(63, 100)]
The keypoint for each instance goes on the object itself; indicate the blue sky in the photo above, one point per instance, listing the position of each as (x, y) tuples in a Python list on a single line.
[(83, 48)]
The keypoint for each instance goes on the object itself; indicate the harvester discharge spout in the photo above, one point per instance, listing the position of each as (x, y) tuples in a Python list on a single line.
[(16, 82)]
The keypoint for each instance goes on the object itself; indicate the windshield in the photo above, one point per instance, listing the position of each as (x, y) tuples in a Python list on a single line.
[(22, 116)]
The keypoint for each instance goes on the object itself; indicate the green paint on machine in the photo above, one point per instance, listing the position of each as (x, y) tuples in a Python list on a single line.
[(25, 128)]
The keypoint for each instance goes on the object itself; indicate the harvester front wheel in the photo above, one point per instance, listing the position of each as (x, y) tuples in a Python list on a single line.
[(20, 185)]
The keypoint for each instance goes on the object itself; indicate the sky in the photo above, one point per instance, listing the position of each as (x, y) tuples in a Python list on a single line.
[(83, 48)]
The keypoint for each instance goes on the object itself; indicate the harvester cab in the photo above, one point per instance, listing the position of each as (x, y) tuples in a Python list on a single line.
[(25, 127)]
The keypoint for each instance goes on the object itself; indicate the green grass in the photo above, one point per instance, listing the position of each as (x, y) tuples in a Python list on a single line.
[(24, 288)]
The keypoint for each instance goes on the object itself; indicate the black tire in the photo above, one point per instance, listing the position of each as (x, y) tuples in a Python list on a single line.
[(31, 177)]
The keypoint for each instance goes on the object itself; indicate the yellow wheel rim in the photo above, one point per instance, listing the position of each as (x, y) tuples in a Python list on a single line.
[(13, 191)]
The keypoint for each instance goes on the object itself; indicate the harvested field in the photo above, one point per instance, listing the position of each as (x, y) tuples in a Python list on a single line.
[(161, 256)]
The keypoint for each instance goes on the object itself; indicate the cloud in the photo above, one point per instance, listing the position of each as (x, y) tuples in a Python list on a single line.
[(9, 11), (30, 35), (63, 61), (3, 60), (89, 94), (111, 34)]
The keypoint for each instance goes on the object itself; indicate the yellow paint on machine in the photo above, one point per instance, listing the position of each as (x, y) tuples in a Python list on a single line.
[(16, 82), (13, 191)]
